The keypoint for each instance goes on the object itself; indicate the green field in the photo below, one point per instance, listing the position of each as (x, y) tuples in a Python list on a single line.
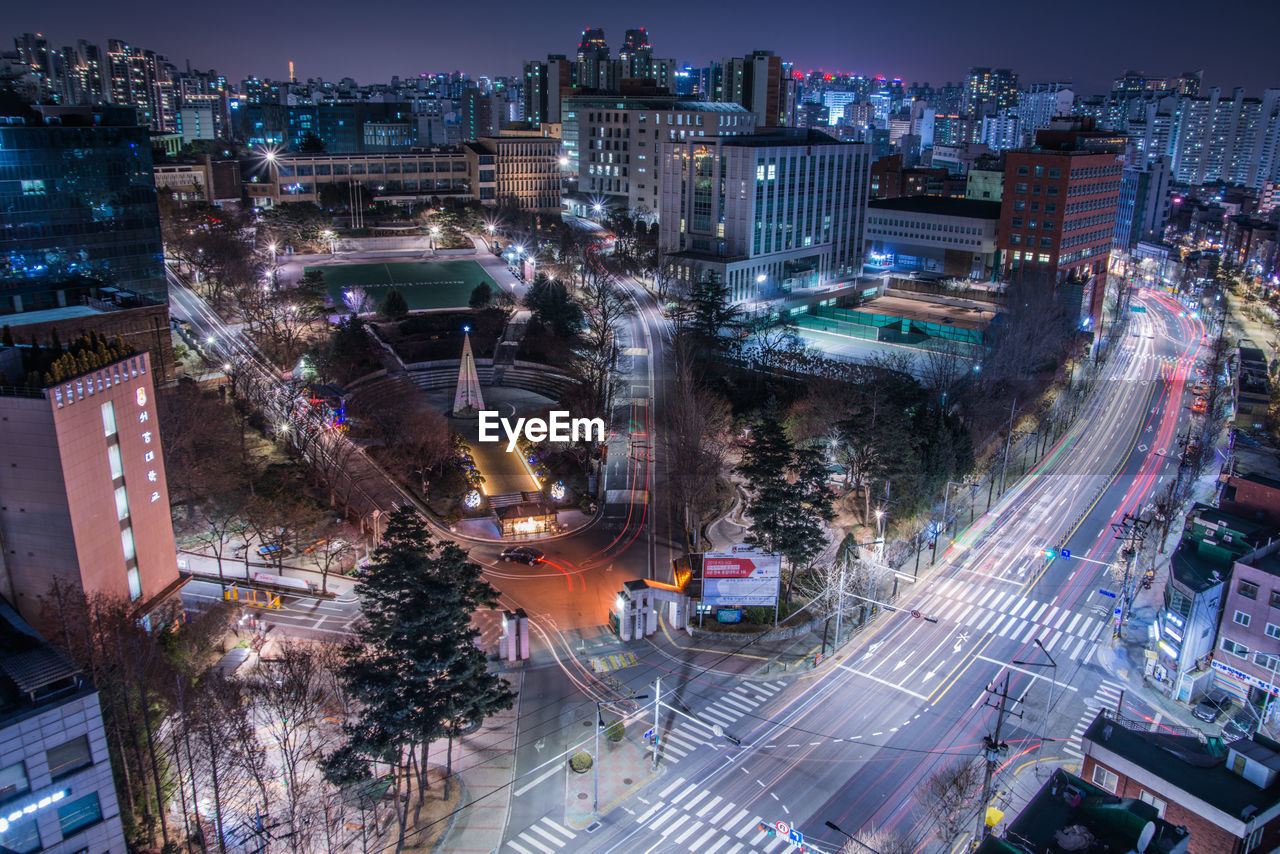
[(424, 284)]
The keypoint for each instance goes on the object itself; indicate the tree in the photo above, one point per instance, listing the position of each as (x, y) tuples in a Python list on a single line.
[(604, 305), (713, 319), (947, 797), (414, 666), (551, 306), (879, 840), (393, 306), (481, 296), (696, 434)]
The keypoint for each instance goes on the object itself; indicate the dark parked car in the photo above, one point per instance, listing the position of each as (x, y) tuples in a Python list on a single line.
[(1214, 705), (521, 554), (1243, 724)]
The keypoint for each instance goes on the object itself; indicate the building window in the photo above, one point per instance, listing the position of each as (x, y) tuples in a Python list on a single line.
[(1273, 631), (1020, 187), (122, 504), (135, 584), (1105, 779), (1022, 172), (108, 419), (1019, 205), (126, 543), (13, 781), (113, 457), (1055, 172), (1241, 619), (1275, 598), (1235, 648), (21, 835), (1267, 662), (1148, 798), (1247, 589), (1051, 190), (79, 814), (69, 757)]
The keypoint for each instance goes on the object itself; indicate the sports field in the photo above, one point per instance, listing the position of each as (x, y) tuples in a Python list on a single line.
[(423, 284)]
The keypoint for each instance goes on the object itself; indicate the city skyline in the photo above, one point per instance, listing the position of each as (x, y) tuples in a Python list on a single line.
[(1039, 49)]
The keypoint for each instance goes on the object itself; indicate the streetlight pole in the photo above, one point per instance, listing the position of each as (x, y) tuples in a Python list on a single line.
[(1048, 703)]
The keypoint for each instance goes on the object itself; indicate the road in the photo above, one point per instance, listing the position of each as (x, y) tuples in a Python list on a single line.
[(854, 743)]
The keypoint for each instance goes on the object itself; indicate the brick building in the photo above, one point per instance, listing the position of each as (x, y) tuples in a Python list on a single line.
[(1058, 215), (1226, 795)]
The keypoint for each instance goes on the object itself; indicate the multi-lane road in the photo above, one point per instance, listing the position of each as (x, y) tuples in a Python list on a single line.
[(853, 743)]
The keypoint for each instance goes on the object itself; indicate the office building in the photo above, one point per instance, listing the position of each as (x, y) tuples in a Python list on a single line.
[(1059, 214), (516, 171), (394, 178), (1224, 796), (81, 216), (611, 143), (931, 234), (355, 127), (767, 214), (1142, 210), (83, 496), (56, 785)]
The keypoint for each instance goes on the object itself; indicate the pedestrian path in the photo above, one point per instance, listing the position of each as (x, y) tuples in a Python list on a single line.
[(1005, 613), (543, 836), (1106, 697)]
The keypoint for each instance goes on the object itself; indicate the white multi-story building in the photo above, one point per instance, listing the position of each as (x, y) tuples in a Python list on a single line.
[(1235, 140), (57, 792), (1001, 132), (611, 142), (955, 237), (1039, 104), (767, 214)]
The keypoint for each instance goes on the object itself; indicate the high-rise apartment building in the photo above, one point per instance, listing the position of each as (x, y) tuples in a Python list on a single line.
[(546, 83), (612, 144), (761, 82), (1235, 140), (989, 90), (83, 496), (772, 212), (593, 60), (142, 79), (1039, 103), (34, 53), (1058, 213)]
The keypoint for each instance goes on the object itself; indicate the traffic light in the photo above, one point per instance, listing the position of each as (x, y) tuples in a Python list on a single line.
[(765, 827), (1048, 554)]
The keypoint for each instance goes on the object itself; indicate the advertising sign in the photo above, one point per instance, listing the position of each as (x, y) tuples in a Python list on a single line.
[(742, 576)]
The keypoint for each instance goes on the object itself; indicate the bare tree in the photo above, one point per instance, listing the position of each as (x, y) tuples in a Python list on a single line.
[(695, 438), (948, 796), (604, 306), (879, 840), (941, 369)]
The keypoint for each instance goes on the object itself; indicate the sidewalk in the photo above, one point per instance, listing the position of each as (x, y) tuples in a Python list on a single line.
[(205, 567)]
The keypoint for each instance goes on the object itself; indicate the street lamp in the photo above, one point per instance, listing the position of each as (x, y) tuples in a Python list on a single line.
[(837, 829), (595, 764), (1048, 703)]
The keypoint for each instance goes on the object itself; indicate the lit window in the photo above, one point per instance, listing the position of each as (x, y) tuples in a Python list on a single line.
[(126, 543), (122, 504), (109, 418), (79, 814), (113, 457)]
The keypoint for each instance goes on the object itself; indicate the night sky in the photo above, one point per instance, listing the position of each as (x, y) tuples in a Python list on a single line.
[(1087, 41)]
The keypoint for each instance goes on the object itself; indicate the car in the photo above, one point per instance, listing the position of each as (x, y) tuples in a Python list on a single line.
[(521, 554), (1243, 724), (1213, 706), (1199, 406)]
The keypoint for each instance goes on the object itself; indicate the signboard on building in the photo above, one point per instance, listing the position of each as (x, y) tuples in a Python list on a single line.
[(742, 576), (1252, 681)]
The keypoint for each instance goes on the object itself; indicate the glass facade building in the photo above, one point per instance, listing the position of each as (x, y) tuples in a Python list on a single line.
[(77, 213)]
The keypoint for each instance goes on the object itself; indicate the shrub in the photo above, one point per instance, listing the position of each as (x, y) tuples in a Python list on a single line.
[(580, 762), (616, 731)]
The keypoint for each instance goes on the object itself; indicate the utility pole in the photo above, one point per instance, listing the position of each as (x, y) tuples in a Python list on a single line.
[(1013, 409), (994, 748), (840, 600), (1132, 530), (657, 711)]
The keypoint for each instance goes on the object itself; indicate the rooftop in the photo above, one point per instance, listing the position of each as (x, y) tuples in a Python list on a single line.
[(1193, 571), (33, 674), (939, 206), (961, 314), (1196, 766), (778, 137), (1266, 560), (651, 102), (1068, 814)]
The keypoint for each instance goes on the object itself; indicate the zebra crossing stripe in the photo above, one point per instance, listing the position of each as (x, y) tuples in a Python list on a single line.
[(716, 846), (649, 812), (1072, 626), (511, 843), (545, 835), (737, 704), (702, 840), (718, 716), (1043, 606), (1079, 647), (694, 827), (718, 817), (674, 825), (696, 798), (536, 844), (709, 806), (672, 787)]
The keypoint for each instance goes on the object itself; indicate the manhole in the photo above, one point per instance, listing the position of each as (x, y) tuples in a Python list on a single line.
[(586, 723), (582, 796), (626, 781), (593, 827)]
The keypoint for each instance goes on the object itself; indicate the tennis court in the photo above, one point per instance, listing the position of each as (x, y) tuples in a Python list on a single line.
[(423, 284)]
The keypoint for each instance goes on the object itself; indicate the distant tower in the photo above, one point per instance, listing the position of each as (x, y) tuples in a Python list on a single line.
[(593, 59), (467, 401), (636, 54)]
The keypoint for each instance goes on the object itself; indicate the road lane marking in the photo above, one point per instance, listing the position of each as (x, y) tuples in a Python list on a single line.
[(536, 780), (885, 682)]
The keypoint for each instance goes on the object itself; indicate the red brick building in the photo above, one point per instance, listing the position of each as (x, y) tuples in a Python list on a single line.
[(1058, 215), (1226, 795)]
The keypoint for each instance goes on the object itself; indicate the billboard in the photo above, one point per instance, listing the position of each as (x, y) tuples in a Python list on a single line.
[(740, 577)]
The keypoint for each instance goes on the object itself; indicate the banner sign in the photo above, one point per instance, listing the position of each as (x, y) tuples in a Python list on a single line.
[(740, 577)]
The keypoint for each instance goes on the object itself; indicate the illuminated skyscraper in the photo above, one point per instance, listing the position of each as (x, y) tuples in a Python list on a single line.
[(989, 91), (593, 59)]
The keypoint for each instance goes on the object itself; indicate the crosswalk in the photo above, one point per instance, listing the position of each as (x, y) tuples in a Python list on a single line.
[(543, 837), (686, 735), (692, 819), (1006, 613), (1106, 697)]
